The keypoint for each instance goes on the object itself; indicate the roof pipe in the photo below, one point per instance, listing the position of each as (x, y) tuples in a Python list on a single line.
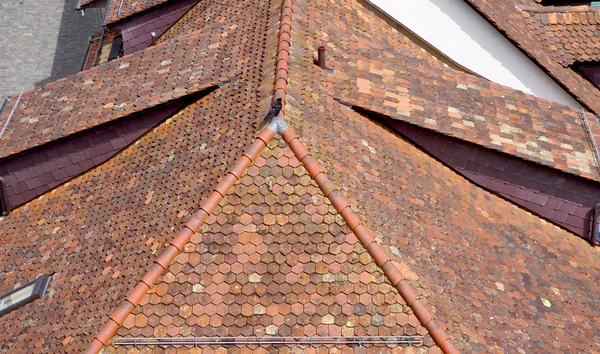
[(322, 58)]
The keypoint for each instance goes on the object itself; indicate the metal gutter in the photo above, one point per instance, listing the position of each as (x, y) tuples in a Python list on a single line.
[(592, 140)]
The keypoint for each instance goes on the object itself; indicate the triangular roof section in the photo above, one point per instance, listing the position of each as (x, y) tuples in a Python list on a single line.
[(165, 262), (396, 78), (274, 259), (511, 19), (338, 201), (218, 133)]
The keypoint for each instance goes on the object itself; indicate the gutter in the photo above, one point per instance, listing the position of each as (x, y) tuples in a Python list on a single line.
[(595, 236)]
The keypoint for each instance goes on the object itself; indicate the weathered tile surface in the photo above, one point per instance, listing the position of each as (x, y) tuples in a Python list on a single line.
[(500, 278), (509, 17), (377, 68), (570, 34), (275, 258), (127, 85), (97, 233)]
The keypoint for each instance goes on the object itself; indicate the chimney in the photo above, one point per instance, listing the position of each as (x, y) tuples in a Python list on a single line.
[(322, 61)]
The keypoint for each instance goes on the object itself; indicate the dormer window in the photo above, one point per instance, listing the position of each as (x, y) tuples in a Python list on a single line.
[(24, 294), (116, 49)]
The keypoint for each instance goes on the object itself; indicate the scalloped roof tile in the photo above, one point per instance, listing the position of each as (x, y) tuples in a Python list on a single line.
[(99, 233)]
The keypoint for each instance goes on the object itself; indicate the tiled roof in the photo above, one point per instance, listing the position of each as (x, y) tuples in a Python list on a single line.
[(120, 9), (571, 35), (274, 258), (339, 203), (119, 88), (395, 78), (502, 279), (499, 278), (107, 224), (510, 19)]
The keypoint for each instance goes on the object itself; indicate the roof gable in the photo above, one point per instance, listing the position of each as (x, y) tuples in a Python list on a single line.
[(275, 258)]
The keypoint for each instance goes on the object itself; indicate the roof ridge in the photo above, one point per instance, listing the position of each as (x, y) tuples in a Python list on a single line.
[(283, 53), (560, 9), (161, 263), (367, 240), (364, 235), (134, 297)]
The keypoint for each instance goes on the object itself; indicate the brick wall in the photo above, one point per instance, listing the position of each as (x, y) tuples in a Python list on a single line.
[(36, 171), (562, 198)]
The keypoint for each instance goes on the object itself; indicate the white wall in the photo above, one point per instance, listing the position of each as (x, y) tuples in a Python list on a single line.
[(462, 34)]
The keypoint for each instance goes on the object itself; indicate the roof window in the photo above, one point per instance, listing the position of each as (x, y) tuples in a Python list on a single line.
[(24, 294), (116, 49)]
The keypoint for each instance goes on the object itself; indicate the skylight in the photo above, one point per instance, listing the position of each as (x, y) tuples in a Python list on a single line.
[(24, 294)]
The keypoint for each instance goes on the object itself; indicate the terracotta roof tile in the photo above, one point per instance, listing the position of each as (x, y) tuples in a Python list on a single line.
[(570, 36), (514, 22), (121, 87), (112, 220), (293, 280), (534, 285), (397, 79), (440, 224), (380, 257), (444, 227)]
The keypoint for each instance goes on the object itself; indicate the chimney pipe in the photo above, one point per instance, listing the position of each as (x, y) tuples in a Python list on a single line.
[(322, 61)]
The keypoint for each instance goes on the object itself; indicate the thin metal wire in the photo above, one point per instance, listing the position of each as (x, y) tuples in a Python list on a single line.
[(120, 7), (11, 113), (262, 341), (589, 132)]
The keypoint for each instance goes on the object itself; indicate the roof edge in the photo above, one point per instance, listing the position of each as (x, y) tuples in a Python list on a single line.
[(529, 55), (420, 41), (367, 240), (559, 9)]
